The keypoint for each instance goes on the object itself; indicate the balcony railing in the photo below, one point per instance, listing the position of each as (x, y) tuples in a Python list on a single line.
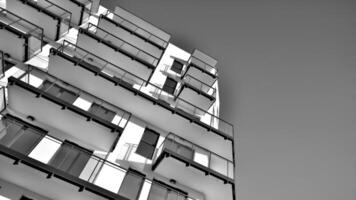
[(32, 146), (54, 11), (201, 158), (75, 99), (194, 61), (130, 81), (31, 32), (124, 47), (200, 86), (137, 30), (51, 9)]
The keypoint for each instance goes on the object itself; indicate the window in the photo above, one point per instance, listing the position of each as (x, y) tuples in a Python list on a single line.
[(131, 185), (177, 67), (20, 138), (71, 158), (162, 191), (25, 198), (170, 85), (148, 143), (102, 112)]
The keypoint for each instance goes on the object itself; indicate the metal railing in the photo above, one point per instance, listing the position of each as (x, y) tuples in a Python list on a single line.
[(101, 109), (123, 45), (62, 13), (203, 65), (91, 168), (197, 154), (137, 29), (197, 114), (198, 84), (28, 29)]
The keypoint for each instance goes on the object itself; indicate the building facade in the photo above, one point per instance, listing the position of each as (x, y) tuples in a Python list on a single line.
[(98, 104)]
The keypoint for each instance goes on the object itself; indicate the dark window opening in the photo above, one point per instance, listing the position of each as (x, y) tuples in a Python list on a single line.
[(148, 143), (170, 85), (177, 67), (25, 198), (102, 112)]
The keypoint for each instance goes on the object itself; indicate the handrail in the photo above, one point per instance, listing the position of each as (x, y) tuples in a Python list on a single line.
[(165, 42), (137, 83), (173, 142), (118, 116), (140, 53), (94, 169)]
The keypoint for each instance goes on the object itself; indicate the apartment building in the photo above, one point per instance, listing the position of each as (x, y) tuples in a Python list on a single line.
[(99, 104)]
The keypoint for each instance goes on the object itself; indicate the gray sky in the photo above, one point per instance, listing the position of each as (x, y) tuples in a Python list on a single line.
[(288, 81)]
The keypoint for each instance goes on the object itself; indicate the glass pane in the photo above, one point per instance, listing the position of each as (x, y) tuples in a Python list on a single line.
[(131, 185), (157, 192)]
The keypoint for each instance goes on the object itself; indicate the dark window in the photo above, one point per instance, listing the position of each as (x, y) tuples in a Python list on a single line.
[(161, 191), (170, 85), (102, 112), (25, 198), (177, 67), (131, 185), (71, 158), (21, 138), (148, 143), (59, 92)]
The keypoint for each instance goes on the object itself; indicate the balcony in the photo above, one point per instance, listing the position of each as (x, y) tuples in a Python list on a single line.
[(95, 45), (122, 46), (192, 165), (80, 9), (203, 62), (33, 159), (134, 29), (196, 92), (53, 19), (18, 37), (122, 89), (49, 100)]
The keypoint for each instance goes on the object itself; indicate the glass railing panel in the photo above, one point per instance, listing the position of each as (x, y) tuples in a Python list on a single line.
[(188, 79), (62, 13), (201, 64), (197, 154), (123, 76), (65, 15), (123, 45), (136, 29), (32, 31), (159, 191)]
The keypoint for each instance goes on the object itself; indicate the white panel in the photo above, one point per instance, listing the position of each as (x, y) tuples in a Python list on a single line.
[(110, 178), (44, 150)]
